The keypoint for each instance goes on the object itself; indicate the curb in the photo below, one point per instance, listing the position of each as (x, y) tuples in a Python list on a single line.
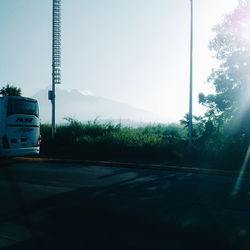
[(136, 166)]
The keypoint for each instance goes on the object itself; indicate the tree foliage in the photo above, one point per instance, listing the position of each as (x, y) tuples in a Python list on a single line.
[(226, 123), (231, 79), (199, 125), (10, 90)]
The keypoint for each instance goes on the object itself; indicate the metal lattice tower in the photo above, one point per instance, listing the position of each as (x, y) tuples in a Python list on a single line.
[(56, 57)]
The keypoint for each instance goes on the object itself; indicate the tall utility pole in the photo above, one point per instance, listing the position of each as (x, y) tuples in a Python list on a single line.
[(190, 120), (56, 58)]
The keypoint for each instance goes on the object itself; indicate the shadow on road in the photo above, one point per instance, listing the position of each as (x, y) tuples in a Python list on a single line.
[(132, 214)]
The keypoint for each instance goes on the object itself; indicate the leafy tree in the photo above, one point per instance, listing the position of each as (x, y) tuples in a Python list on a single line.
[(227, 120), (10, 90), (231, 79)]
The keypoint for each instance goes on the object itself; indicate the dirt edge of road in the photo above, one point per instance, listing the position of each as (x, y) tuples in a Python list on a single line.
[(182, 169)]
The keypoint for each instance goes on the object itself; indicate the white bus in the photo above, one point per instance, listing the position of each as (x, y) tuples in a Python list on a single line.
[(19, 126)]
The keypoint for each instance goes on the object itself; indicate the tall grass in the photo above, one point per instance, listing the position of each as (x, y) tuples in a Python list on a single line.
[(107, 140)]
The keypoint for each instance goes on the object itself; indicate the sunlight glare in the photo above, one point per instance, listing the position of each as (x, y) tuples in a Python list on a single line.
[(241, 174)]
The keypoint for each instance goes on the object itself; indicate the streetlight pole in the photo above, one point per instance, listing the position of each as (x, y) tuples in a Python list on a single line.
[(190, 120)]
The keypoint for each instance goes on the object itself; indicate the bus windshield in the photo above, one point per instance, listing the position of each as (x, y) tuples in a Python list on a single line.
[(16, 106)]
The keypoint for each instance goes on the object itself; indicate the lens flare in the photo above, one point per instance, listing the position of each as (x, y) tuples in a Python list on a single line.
[(241, 174)]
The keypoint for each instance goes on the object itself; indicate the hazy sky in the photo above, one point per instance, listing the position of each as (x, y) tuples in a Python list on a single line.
[(133, 51)]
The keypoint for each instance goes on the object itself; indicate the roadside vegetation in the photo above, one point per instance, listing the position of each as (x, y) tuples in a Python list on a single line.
[(106, 140), (151, 143)]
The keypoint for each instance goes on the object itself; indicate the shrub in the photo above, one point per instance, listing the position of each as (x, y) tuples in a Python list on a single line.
[(94, 139)]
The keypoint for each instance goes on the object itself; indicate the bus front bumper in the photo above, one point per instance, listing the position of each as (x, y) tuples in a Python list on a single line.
[(20, 152)]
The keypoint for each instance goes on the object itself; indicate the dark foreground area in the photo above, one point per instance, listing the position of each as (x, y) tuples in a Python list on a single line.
[(62, 206)]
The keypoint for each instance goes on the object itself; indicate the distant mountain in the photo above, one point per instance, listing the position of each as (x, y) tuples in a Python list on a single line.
[(88, 107)]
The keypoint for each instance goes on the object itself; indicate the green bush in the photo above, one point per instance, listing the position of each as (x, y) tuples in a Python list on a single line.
[(94, 139)]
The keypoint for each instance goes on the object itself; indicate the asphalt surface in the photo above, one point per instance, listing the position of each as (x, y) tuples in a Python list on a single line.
[(69, 206)]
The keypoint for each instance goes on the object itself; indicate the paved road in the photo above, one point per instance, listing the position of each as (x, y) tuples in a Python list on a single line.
[(62, 206)]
